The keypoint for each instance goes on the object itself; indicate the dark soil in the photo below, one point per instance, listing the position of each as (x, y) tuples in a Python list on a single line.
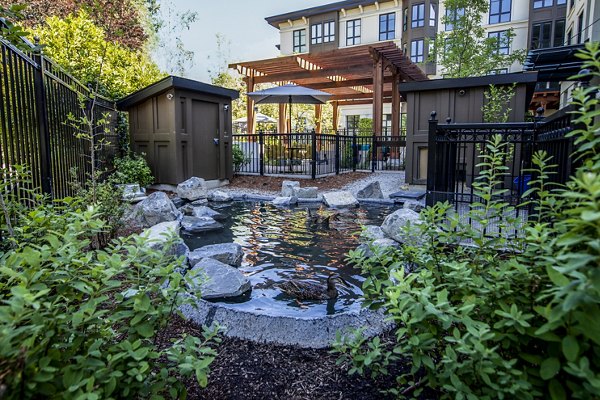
[(245, 370), (273, 184)]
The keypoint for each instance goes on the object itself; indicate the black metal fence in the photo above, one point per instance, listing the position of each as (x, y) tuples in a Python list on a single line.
[(317, 154), (455, 150), (37, 97)]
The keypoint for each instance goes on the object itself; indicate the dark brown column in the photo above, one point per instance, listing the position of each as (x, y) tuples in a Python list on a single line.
[(334, 104), (395, 107), (377, 95), (250, 106), (318, 116)]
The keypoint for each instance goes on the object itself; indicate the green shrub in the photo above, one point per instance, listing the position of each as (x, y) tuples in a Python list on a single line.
[(239, 159), (82, 323), (132, 168), (502, 315)]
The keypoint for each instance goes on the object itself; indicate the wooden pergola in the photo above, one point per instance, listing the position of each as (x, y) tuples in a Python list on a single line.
[(366, 74)]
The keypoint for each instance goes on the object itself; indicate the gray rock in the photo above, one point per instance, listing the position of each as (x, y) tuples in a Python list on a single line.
[(199, 202), (371, 191), (288, 188), (202, 224), (204, 211), (153, 210), (310, 192), (178, 201), (219, 196), (132, 192), (413, 205), (340, 199), (187, 209), (394, 226), (192, 189), (384, 243), (217, 280), (284, 201), (227, 253), (371, 232)]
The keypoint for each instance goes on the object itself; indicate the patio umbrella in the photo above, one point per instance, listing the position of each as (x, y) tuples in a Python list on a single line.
[(289, 94), (258, 117)]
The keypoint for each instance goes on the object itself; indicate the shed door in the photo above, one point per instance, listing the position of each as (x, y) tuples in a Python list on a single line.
[(205, 128)]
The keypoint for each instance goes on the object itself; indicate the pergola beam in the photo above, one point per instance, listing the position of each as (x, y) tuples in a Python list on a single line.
[(320, 73), (346, 83)]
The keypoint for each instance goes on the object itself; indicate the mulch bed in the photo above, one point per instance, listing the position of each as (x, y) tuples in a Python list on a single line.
[(273, 184), (245, 370)]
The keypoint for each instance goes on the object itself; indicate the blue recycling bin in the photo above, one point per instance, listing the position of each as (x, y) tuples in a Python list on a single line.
[(522, 186)]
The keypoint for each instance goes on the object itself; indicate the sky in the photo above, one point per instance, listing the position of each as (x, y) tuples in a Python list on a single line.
[(242, 22)]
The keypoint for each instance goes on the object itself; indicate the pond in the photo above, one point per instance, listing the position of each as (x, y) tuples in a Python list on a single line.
[(307, 243)]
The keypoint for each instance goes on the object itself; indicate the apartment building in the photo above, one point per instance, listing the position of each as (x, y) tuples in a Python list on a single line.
[(411, 24)]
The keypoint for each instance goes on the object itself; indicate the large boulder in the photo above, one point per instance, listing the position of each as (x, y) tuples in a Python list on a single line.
[(219, 196), (371, 191), (203, 211), (227, 253), (153, 210), (380, 246), (413, 205), (340, 199), (217, 280), (199, 224), (371, 232), (288, 188), (192, 189), (133, 193), (158, 236), (284, 201), (310, 192), (394, 226)]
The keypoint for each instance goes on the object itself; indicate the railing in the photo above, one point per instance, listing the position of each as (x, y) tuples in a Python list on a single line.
[(37, 97), (455, 150), (311, 154)]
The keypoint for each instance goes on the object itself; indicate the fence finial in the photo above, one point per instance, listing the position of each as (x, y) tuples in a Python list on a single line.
[(539, 113), (433, 116), (448, 120)]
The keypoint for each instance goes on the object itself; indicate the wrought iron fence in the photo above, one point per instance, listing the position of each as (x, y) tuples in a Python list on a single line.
[(37, 98), (455, 150), (311, 154)]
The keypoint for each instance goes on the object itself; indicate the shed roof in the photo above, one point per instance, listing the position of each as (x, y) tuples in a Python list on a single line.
[(529, 78), (309, 12), (177, 83)]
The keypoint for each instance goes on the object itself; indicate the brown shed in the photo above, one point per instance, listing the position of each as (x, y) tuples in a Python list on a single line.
[(459, 99), (184, 128)]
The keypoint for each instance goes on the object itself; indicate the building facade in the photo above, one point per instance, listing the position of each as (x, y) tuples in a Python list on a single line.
[(413, 24)]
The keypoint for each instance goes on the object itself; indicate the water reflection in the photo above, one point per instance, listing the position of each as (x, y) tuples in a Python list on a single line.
[(305, 243)]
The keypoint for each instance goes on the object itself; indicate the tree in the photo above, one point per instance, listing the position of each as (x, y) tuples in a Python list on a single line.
[(466, 50), (129, 19), (84, 50)]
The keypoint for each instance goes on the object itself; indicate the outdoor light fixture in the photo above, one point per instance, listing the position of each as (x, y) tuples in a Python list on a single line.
[(226, 107), (170, 96)]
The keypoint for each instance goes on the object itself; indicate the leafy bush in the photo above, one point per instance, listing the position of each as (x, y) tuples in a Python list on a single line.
[(132, 168), (239, 159), (82, 323), (503, 315)]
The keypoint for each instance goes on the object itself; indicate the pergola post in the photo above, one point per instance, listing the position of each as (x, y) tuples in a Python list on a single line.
[(377, 95), (250, 106), (395, 107), (318, 115), (281, 122), (335, 106)]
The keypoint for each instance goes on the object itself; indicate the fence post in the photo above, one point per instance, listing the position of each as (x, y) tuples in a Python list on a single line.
[(314, 154), (373, 152), (431, 159), (354, 152), (42, 120), (337, 153), (261, 152)]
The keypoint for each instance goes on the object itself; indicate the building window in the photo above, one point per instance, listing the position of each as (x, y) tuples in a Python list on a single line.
[(418, 16), (500, 11), (559, 33), (416, 51), (432, 14), (387, 124), (502, 41), (541, 35), (580, 28), (387, 26), (353, 32), (323, 32), (300, 41), (405, 20), (561, 2), (352, 123), (452, 17), (542, 3)]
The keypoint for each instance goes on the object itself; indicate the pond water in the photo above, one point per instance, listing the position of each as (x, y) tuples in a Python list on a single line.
[(279, 244)]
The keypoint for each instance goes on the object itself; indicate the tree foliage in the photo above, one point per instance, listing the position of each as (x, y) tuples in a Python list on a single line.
[(82, 48), (466, 50), (129, 19)]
